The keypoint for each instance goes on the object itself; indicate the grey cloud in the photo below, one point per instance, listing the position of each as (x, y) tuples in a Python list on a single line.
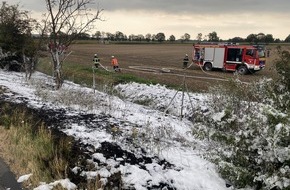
[(198, 6), (31, 5), (178, 6)]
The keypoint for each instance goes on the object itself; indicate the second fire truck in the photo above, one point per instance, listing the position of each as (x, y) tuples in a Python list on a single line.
[(229, 57)]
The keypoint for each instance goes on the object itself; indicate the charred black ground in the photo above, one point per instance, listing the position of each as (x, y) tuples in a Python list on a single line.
[(54, 120)]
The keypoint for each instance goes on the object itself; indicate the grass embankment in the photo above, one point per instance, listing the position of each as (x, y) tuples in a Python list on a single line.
[(79, 73), (29, 147)]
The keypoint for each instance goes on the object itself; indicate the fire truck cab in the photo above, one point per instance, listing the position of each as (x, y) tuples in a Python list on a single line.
[(229, 57)]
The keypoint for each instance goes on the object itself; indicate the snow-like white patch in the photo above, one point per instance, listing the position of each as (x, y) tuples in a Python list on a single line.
[(65, 183), (218, 116), (169, 136), (23, 178)]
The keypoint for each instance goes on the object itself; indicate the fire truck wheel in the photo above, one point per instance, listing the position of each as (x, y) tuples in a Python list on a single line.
[(207, 66), (242, 70)]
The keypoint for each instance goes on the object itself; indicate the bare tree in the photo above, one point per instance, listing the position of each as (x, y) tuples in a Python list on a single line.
[(172, 38), (66, 20), (199, 37), (185, 37), (148, 37)]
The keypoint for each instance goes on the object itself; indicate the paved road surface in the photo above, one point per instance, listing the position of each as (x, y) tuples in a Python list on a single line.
[(7, 178)]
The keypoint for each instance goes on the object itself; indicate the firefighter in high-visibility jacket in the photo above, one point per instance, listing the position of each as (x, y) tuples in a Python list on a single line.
[(115, 64)]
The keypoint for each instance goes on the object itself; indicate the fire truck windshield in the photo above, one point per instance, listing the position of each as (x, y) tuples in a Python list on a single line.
[(250, 52), (261, 50), (261, 53)]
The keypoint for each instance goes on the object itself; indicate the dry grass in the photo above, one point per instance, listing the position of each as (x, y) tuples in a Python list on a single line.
[(29, 148), (32, 154)]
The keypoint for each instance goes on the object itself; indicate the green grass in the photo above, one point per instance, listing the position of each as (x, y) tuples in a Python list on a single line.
[(126, 78), (83, 74)]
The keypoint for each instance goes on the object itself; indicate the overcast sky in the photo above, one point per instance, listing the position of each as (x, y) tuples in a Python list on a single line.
[(229, 18)]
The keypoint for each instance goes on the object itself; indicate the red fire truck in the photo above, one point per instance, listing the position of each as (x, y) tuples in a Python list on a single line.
[(229, 57)]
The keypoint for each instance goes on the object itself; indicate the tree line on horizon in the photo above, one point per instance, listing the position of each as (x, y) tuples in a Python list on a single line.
[(161, 37)]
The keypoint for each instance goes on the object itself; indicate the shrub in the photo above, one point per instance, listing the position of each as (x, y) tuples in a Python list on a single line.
[(283, 66), (252, 130)]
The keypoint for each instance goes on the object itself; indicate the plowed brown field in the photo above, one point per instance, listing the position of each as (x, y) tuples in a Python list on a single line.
[(158, 56)]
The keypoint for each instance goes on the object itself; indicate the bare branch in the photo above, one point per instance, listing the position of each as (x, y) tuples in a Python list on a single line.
[(68, 19)]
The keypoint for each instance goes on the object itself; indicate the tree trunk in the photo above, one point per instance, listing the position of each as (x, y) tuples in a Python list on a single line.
[(57, 69), (27, 66)]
